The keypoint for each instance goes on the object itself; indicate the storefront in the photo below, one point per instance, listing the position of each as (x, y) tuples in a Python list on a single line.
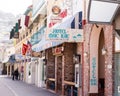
[(64, 66), (117, 57), (98, 60)]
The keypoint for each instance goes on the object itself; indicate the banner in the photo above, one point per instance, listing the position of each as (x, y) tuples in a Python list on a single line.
[(57, 11), (93, 75), (26, 20), (29, 49), (66, 35), (24, 49)]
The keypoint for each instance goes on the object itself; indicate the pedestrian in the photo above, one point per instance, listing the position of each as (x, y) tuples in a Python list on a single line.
[(16, 73), (13, 75), (22, 72)]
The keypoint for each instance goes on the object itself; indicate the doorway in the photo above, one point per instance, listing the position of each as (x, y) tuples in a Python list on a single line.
[(59, 74), (101, 65)]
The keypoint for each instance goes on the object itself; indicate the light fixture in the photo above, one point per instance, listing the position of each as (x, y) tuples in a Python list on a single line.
[(85, 54), (104, 51), (102, 11)]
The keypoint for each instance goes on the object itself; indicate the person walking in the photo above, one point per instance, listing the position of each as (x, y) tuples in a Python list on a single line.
[(13, 75), (16, 73)]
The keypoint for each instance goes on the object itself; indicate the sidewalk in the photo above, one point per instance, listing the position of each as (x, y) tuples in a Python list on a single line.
[(20, 88)]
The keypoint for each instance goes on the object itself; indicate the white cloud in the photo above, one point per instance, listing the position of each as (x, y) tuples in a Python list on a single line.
[(7, 20), (14, 6)]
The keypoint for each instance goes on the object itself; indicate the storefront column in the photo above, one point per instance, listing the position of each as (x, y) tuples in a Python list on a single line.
[(63, 75), (24, 79), (10, 70), (55, 74), (7, 69)]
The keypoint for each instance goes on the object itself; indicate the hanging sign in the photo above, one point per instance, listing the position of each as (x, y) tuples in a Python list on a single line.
[(57, 11), (93, 76), (58, 50), (16, 35), (66, 35)]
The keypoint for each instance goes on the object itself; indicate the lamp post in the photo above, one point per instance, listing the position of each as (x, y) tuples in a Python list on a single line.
[(102, 11)]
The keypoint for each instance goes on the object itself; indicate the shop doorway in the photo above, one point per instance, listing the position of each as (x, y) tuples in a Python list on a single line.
[(101, 65), (117, 74), (59, 74)]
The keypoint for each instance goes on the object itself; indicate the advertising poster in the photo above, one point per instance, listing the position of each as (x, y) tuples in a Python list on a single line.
[(57, 11)]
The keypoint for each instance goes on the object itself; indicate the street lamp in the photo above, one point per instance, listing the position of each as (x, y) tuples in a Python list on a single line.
[(102, 11)]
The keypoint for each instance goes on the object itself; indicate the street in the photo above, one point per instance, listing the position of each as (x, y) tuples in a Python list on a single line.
[(8, 87)]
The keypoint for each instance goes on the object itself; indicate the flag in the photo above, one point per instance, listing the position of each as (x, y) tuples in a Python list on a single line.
[(77, 21), (19, 23), (24, 49), (16, 27), (29, 47), (11, 33), (26, 21), (80, 20), (22, 21)]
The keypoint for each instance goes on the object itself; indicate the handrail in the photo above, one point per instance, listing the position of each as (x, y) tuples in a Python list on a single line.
[(69, 83), (51, 79)]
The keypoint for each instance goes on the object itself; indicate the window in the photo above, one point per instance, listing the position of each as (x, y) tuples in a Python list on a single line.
[(117, 40), (26, 33)]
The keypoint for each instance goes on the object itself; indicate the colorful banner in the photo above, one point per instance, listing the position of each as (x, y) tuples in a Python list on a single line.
[(66, 35), (58, 10)]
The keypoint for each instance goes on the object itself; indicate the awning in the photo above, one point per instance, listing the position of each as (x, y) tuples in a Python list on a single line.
[(66, 22), (5, 60), (44, 44), (19, 57), (12, 59)]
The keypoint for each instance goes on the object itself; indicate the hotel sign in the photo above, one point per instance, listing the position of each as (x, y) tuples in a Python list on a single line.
[(93, 76), (66, 35)]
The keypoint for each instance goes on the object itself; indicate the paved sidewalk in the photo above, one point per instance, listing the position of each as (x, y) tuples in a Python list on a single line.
[(20, 88)]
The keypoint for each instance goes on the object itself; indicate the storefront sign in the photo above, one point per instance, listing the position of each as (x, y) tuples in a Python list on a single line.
[(58, 18), (93, 76), (16, 35), (58, 10), (35, 54), (66, 35), (58, 50)]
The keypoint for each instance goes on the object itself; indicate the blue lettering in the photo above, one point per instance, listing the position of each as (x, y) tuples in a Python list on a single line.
[(53, 36), (64, 36)]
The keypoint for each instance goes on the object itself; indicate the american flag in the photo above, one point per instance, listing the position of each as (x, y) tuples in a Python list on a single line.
[(29, 48)]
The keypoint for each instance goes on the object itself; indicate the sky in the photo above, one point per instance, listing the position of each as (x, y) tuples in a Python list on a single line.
[(14, 6), (9, 9)]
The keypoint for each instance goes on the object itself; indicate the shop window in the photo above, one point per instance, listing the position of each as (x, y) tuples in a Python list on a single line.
[(117, 40), (26, 33), (30, 30), (23, 36)]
